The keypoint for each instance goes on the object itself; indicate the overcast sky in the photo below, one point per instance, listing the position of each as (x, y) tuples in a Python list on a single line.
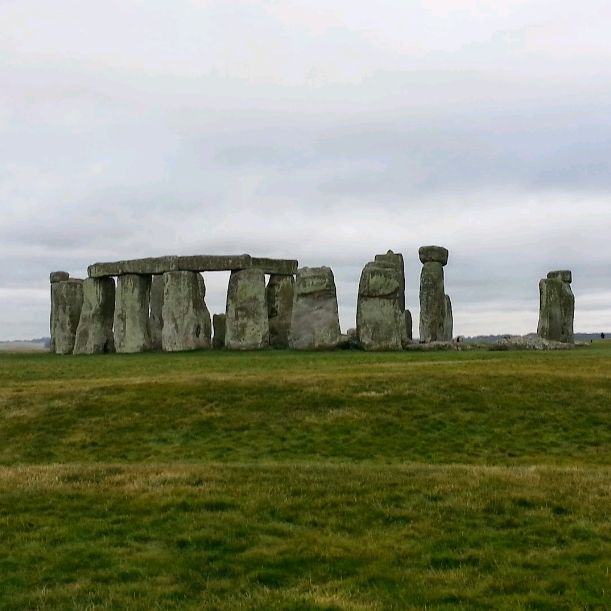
[(326, 131)]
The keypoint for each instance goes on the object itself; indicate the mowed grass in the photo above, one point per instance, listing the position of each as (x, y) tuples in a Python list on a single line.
[(280, 480)]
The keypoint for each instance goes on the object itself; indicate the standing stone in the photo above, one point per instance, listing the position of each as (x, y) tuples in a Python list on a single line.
[(219, 324), (408, 326), (280, 291), (66, 305), (315, 319), (557, 307), (94, 334), (395, 260), (448, 321), (131, 323), (380, 320), (186, 320), (156, 312), (433, 302), (247, 325)]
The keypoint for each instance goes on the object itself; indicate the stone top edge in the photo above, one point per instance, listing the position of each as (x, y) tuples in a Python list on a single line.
[(433, 254), (194, 263), (562, 274)]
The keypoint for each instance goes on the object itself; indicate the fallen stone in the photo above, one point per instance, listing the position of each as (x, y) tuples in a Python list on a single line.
[(186, 320), (280, 291), (131, 321), (66, 305), (156, 312), (247, 325), (529, 342), (219, 324), (314, 320), (94, 334), (433, 254)]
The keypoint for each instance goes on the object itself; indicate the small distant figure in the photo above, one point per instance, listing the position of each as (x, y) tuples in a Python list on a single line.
[(602, 336)]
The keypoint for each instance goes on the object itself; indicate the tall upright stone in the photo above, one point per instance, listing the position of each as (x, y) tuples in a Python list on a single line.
[(219, 324), (380, 319), (247, 325), (66, 305), (156, 311), (280, 291), (131, 321), (448, 321), (315, 319), (556, 307), (395, 260), (186, 320), (433, 303), (94, 334)]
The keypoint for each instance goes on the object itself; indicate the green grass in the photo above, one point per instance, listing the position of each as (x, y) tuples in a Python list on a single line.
[(280, 480)]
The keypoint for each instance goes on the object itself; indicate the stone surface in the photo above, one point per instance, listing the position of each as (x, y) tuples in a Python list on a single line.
[(556, 308), (131, 321), (58, 276), (432, 303), (94, 334), (564, 274), (380, 320), (395, 260), (219, 325), (448, 321), (186, 320), (314, 320), (66, 305), (280, 291), (409, 333), (433, 254), (194, 263), (247, 325), (156, 312)]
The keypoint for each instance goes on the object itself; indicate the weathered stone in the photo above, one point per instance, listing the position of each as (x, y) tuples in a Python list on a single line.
[(219, 325), (409, 334), (448, 320), (207, 317), (247, 325), (156, 312), (58, 276), (145, 267), (433, 254), (276, 267), (66, 305), (186, 320), (556, 308), (94, 334), (432, 303), (395, 260), (314, 320), (565, 275), (131, 322), (280, 291), (214, 263), (380, 321)]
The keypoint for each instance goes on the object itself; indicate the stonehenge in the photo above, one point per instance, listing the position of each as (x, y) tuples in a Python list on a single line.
[(436, 321), (315, 318), (159, 303), (556, 307)]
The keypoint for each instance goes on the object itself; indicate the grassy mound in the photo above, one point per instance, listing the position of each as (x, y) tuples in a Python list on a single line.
[(282, 480)]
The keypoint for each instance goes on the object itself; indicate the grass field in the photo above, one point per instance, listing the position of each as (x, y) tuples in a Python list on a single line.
[(280, 480)]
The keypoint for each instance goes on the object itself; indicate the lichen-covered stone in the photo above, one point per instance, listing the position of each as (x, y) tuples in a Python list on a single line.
[(280, 292), (448, 324), (380, 320), (247, 325), (315, 319), (156, 312), (565, 275), (409, 334), (131, 322), (186, 320), (94, 334), (58, 276), (395, 260), (433, 254), (219, 325), (66, 305), (556, 308), (432, 303)]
